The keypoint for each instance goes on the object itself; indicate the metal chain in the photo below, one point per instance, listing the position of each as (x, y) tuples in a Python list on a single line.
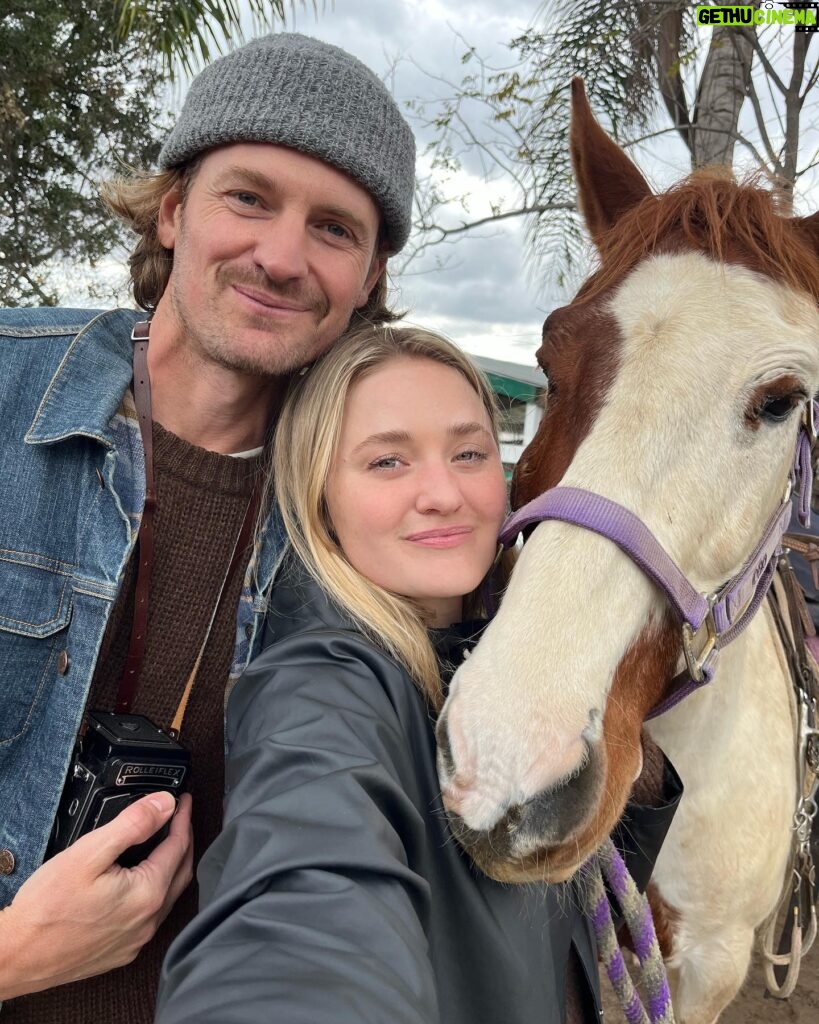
[(798, 896)]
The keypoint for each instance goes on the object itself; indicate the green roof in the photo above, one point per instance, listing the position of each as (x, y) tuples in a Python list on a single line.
[(514, 380), (512, 388)]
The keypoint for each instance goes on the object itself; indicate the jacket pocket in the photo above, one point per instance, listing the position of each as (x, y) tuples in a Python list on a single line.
[(35, 609)]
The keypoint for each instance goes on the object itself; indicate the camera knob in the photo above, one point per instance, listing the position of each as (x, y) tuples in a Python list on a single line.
[(81, 773)]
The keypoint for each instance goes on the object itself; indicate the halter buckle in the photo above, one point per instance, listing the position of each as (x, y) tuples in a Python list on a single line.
[(698, 644)]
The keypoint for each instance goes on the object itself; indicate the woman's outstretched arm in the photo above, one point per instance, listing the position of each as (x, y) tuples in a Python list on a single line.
[(310, 910)]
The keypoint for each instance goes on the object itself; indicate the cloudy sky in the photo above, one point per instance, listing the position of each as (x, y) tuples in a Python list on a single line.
[(484, 297)]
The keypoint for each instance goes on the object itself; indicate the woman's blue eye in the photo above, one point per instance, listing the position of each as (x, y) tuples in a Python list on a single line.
[(338, 230), (387, 462), (246, 198)]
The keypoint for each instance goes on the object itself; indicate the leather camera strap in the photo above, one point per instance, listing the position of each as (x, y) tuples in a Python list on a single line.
[(142, 400), (136, 650), (238, 548)]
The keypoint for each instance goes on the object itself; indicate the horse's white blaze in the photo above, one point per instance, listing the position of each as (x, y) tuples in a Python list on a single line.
[(672, 444), (524, 701)]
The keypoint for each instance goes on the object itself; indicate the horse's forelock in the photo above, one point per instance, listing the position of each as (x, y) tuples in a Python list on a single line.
[(809, 227), (709, 213)]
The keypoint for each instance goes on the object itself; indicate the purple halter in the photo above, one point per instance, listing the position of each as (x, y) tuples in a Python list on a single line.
[(709, 622)]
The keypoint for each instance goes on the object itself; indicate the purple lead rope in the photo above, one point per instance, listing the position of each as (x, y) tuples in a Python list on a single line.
[(609, 865)]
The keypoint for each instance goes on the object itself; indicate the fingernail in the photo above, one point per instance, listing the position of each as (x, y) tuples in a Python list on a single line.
[(162, 801)]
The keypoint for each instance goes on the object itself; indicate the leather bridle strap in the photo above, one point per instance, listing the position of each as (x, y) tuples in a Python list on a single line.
[(136, 651)]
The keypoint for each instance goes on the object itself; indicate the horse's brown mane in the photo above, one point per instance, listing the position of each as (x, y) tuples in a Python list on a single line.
[(727, 221)]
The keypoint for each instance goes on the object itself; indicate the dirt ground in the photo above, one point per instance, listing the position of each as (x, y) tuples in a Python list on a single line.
[(751, 1006)]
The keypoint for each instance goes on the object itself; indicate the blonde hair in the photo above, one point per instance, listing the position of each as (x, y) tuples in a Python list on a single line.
[(306, 440), (136, 199)]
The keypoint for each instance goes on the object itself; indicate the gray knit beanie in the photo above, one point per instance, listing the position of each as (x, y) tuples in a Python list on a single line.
[(296, 91)]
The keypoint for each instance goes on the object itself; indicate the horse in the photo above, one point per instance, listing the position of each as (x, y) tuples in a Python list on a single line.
[(677, 379)]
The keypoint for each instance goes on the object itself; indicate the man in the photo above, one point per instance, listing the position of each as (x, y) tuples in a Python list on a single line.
[(284, 187)]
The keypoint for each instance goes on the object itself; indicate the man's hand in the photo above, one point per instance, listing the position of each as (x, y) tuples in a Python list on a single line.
[(81, 914)]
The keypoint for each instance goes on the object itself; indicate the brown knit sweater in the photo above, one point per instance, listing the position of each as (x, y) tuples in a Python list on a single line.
[(201, 500)]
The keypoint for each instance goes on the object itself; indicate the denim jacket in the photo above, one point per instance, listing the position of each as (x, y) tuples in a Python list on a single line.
[(72, 488)]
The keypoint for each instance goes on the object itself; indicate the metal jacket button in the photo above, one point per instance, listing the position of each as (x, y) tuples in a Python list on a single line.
[(7, 862), (62, 662)]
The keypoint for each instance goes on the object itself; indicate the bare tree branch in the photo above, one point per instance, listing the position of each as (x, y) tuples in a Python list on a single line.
[(644, 64), (495, 218), (770, 71), (761, 128)]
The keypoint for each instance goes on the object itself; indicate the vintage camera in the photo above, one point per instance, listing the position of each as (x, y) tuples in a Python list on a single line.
[(119, 759)]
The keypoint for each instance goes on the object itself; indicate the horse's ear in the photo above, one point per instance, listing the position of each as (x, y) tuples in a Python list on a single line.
[(608, 183), (810, 227)]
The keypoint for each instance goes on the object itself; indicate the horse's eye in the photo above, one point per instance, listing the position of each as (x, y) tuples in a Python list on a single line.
[(776, 408)]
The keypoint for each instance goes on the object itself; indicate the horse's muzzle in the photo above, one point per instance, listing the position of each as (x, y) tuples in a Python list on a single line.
[(538, 839)]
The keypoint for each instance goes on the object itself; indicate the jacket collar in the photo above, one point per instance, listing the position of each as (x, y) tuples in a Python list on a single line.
[(271, 555), (452, 643), (74, 403), (299, 605)]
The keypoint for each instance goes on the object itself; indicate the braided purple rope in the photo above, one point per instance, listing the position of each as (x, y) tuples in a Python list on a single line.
[(607, 863)]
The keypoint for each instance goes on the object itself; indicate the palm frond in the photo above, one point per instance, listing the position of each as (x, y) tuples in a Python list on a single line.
[(188, 33)]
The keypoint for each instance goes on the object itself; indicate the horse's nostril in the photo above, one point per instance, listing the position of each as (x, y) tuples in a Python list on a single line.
[(513, 819)]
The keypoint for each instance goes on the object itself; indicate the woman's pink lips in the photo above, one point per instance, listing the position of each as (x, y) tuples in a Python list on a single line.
[(446, 538)]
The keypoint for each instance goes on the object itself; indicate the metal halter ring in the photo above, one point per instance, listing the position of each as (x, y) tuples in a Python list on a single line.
[(698, 644)]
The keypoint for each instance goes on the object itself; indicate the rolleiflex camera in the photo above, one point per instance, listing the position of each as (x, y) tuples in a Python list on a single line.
[(119, 759)]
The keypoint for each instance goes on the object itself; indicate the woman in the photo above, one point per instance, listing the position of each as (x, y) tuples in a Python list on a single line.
[(335, 892)]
